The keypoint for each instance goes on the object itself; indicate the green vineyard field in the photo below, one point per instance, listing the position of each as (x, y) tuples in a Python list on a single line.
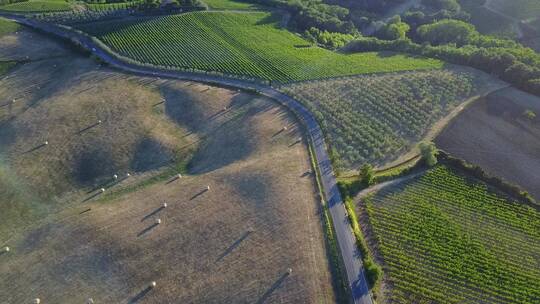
[(247, 44), (375, 118), (445, 238), (37, 6)]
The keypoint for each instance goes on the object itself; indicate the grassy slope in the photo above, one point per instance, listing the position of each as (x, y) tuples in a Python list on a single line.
[(519, 9), (375, 119), (240, 43), (447, 239), (488, 22), (230, 5), (7, 27), (37, 6)]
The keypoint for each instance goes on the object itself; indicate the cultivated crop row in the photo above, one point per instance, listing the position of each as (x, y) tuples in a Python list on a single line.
[(445, 238), (374, 118), (244, 44)]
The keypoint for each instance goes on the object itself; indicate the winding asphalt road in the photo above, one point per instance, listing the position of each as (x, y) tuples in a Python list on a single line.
[(347, 244)]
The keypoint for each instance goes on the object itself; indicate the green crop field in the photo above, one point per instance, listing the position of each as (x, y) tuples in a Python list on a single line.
[(447, 239), (37, 6), (248, 44), (375, 118), (230, 5), (7, 27)]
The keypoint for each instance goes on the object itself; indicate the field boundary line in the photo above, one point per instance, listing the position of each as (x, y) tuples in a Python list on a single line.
[(350, 253)]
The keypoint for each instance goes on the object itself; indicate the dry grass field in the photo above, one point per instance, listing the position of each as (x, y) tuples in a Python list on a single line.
[(233, 243), (495, 134)]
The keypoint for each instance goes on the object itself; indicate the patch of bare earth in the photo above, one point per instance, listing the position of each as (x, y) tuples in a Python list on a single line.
[(495, 134), (233, 243)]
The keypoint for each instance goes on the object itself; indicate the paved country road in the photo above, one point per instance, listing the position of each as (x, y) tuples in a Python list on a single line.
[(346, 241)]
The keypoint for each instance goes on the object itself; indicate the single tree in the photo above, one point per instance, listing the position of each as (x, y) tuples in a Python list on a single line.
[(429, 153), (367, 174)]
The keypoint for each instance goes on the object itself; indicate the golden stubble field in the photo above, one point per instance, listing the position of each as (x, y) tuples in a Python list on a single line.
[(233, 243)]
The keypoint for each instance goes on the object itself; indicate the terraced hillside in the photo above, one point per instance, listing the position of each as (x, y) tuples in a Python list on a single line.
[(445, 238), (250, 44), (375, 119)]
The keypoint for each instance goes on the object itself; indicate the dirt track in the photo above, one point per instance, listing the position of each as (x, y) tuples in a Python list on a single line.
[(494, 134)]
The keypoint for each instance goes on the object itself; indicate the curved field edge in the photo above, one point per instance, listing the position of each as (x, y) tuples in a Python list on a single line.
[(243, 44), (33, 6), (379, 119), (447, 237)]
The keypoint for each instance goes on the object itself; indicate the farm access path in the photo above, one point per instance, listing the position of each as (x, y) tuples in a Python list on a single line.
[(351, 256)]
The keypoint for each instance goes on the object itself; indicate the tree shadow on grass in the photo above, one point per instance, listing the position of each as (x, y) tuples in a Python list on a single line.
[(234, 245), (272, 288)]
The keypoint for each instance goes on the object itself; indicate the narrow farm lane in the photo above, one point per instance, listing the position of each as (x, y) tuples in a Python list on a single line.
[(347, 243)]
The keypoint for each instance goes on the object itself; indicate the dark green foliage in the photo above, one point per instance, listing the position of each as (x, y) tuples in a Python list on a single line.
[(449, 5), (394, 29), (367, 174), (447, 31), (328, 39), (429, 153)]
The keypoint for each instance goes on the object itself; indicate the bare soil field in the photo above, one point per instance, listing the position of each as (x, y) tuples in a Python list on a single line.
[(495, 134), (74, 125)]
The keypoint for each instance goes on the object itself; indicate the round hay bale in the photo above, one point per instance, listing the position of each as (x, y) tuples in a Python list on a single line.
[(153, 284), (128, 175), (37, 301), (6, 249), (46, 143), (115, 176), (90, 301), (164, 205), (158, 221), (179, 175), (289, 270), (99, 122), (102, 190), (208, 188), (284, 128)]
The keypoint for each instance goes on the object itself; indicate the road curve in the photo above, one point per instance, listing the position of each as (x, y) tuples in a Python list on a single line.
[(351, 256)]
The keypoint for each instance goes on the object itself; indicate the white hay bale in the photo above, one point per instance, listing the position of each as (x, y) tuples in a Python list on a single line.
[(6, 249), (90, 301), (179, 175), (37, 301), (284, 128), (158, 221), (115, 176), (46, 143), (14, 101), (208, 188), (164, 205), (289, 270), (128, 175), (153, 284), (99, 122), (102, 190)]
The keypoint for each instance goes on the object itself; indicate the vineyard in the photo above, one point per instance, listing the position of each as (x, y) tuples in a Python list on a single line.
[(373, 119), (247, 44), (230, 5), (37, 6), (447, 239)]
